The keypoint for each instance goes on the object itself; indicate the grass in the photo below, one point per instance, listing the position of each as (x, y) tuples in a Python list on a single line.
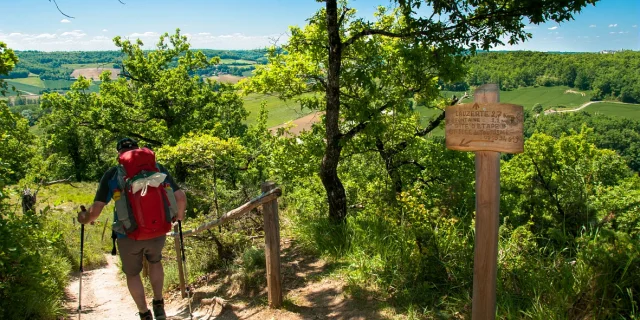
[(234, 61), (61, 203), (58, 84), (23, 88), (546, 96), (31, 81), (427, 115), (279, 111), (630, 111), (87, 65)]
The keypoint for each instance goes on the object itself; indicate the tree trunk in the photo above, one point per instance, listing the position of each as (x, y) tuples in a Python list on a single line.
[(329, 170), (392, 171)]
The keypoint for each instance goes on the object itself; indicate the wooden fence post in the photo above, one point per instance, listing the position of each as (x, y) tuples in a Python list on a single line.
[(176, 242), (272, 248), (487, 213)]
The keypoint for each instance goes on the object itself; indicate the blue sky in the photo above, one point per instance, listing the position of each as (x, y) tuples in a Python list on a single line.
[(249, 24)]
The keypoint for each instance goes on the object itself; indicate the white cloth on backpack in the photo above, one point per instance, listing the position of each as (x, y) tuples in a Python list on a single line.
[(153, 180)]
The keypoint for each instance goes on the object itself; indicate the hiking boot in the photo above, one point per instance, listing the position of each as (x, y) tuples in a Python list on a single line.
[(158, 309), (146, 315)]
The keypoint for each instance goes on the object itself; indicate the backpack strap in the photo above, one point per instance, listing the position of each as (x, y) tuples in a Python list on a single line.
[(172, 206), (124, 222)]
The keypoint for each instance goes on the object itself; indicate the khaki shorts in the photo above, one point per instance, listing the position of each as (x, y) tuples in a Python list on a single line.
[(131, 253)]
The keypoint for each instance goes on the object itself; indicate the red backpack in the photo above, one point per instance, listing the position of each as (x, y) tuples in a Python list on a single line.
[(146, 213)]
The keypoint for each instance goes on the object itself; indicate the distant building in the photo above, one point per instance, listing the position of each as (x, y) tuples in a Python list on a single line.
[(611, 51)]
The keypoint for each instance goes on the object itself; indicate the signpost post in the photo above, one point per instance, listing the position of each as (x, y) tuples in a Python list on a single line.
[(488, 128)]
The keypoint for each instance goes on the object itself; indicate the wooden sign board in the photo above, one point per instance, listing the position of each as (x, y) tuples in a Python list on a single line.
[(485, 127)]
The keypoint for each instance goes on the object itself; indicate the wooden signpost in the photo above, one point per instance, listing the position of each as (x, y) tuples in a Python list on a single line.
[(488, 128)]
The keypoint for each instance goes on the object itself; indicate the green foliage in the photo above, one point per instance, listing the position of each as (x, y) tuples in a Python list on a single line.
[(537, 108), (73, 148), (599, 73), (16, 145), (33, 274), (621, 135), (613, 109), (8, 60), (553, 182)]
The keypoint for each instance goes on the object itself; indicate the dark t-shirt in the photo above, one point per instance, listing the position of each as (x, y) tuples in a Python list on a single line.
[(108, 183)]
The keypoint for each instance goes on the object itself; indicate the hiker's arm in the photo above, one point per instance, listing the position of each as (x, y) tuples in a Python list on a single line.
[(85, 217), (181, 201)]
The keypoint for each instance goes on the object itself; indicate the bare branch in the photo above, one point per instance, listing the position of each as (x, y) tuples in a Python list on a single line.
[(64, 14), (362, 125), (341, 19), (497, 14), (139, 137), (67, 181)]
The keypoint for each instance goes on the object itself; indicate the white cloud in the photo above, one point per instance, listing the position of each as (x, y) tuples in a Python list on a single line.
[(46, 36), (592, 26), (74, 34), (553, 28), (612, 32), (104, 30), (613, 25), (634, 26), (65, 21), (559, 38), (144, 35), (99, 39), (80, 40)]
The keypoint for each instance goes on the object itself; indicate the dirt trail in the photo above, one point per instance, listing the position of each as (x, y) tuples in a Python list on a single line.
[(104, 295), (309, 292)]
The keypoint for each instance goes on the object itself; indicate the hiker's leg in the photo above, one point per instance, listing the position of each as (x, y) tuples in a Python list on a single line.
[(131, 258), (156, 275), (134, 283), (153, 253)]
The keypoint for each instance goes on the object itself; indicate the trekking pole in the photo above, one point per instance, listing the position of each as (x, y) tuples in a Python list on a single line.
[(83, 209), (184, 265)]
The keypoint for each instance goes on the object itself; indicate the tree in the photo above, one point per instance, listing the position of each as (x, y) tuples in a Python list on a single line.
[(554, 182), (159, 98), (16, 142), (537, 108), (339, 55), (8, 60)]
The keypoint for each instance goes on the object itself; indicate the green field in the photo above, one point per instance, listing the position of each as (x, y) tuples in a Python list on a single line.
[(427, 115), (624, 110), (279, 111), (88, 65), (31, 81), (234, 61), (23, 88), (58, 84), (546, 96)]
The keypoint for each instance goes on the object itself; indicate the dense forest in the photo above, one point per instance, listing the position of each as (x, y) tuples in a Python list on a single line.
[(612, 75), (370, 188), (60, 65)]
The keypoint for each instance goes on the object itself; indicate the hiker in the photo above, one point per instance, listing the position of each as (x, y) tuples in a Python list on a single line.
[(136, 237)]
